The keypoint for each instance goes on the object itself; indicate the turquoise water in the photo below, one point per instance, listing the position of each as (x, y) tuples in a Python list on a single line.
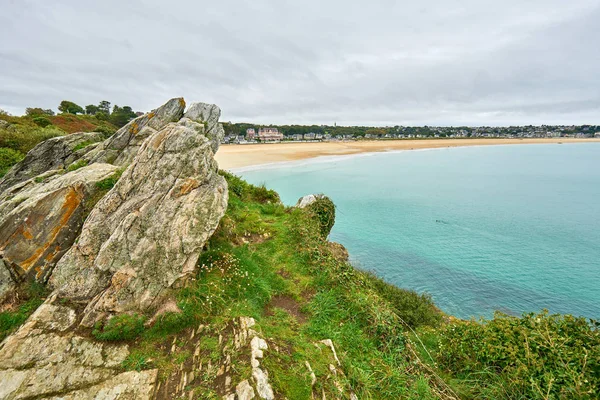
[(510, 228)]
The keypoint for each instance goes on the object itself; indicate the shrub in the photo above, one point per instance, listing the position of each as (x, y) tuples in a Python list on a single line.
[(414, 309), (107, 131), (41, 121), (8, 158), (24, 137), (535, 356), (120, 327), (324, 210)]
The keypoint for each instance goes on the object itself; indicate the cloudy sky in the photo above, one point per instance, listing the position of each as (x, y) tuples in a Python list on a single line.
[(428, 62)]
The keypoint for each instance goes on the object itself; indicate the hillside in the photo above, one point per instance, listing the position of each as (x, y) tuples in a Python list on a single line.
[(132, 268), (18, 135)]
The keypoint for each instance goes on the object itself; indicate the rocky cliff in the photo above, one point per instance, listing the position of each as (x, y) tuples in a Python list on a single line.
[(104, 244), (131, 268)]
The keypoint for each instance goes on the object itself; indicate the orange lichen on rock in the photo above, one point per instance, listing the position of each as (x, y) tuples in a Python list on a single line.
[(188, 185), (70, 205), (134, 128)]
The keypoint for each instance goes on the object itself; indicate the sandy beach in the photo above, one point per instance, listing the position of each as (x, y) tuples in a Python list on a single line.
[(238, 156)]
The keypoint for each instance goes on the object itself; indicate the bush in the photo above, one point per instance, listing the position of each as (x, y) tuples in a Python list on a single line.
[(23, 137), (120, 327), (41, 121), (414, 309), (324, 210), (107, 131), (247, 192), (8, 158), (535, 356)]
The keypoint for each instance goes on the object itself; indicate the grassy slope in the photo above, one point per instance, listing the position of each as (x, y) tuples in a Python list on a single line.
[(23, 133), (272, 263)]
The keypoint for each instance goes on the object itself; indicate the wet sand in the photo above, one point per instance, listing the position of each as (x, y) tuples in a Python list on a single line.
[(233, 156)]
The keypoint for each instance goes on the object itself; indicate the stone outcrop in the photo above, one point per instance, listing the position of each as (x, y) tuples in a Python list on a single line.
[(207, 114), (309, 199), (121, 148), (40, 219), (54, 153), (46, 358), (148, 231), (122, 252)]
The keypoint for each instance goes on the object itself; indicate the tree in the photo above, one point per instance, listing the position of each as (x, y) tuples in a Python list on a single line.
[(91, 109), (104, 107), (31, 111), (70, 107), (121, 116)]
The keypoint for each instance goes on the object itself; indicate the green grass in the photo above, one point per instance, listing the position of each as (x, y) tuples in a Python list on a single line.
[(8, 158), (262, 250), (30, 298), (120, 327), (76, 165)]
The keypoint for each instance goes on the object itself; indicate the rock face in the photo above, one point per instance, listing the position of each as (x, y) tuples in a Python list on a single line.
[(209, 115), (51, 154), (148, 232), (46, 357), (121, 148), (140, 239), (309, 199), (40, 219)]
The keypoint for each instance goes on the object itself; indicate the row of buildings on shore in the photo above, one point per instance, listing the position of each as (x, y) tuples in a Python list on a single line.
[(272, 134)]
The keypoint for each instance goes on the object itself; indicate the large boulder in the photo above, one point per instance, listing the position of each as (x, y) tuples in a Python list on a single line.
[(40, 219), (207, 114), (148, 231), (55, 153), (121, 148), (47, 358)]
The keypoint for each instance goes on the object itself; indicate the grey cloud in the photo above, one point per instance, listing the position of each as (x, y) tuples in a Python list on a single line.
[(381, 62)]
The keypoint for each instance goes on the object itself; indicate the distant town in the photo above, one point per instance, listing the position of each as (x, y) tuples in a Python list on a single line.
[(243, 133)]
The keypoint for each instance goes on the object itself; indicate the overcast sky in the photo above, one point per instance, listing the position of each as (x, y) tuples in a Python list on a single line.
[(428, 62)]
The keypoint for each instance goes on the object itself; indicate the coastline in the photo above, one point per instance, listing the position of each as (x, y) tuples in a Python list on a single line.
[(233, 156)]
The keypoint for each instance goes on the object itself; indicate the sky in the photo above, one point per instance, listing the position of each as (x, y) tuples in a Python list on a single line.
[(377, 62)]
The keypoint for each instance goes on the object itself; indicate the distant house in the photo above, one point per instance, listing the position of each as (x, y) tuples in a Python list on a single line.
[(297, 136), (269, 134), (250, 134), (597, 134), (309, 136)]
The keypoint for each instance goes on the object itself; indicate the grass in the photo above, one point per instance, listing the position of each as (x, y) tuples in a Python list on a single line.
[(77, 164), (272, 263), (25, 301), (120, 327), (8, 158), (23, 133), (264, 250)]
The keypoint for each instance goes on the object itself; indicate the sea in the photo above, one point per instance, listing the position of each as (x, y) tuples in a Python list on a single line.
[(513, 228)]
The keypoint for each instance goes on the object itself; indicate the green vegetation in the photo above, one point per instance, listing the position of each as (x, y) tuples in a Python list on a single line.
[(537, 356), (69, 107), (8, 158), (77, 164), (263, 251), (108, 183), (120, 327), (272, 263), (18, 135), (19, 307)]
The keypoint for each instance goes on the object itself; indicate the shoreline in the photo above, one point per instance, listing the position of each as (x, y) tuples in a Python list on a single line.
[(235, 156)]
